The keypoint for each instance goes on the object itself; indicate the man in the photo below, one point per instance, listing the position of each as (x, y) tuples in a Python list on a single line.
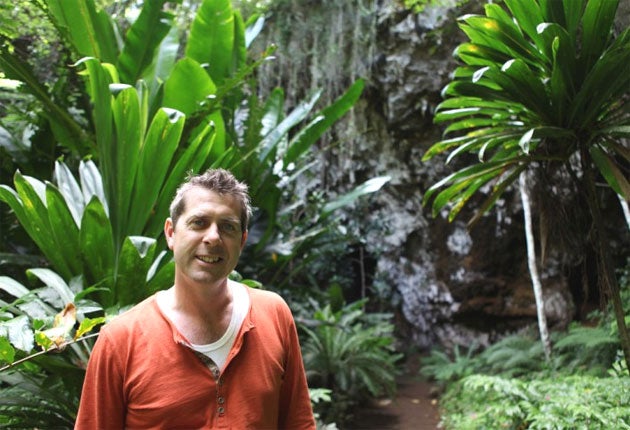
[(208, 352)]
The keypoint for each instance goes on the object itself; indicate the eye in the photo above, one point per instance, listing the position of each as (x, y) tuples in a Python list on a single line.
[(228, 228), (196, 223)]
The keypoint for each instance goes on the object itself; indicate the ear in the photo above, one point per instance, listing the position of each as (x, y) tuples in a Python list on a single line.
[(243, 239), (169, 232)]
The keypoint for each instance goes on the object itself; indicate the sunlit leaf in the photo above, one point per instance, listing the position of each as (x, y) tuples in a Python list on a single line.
[(7, 352), (369, 186), (87, 325), (60, 333), (142, 40), (19, 332), (211, 39)]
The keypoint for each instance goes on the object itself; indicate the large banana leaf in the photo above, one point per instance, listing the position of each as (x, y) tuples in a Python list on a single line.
[(187, 74), (212, 39), (142, 39), (158, 149), (89, 31)]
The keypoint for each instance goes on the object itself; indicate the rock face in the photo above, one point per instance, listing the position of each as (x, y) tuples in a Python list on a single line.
[(454, 285)]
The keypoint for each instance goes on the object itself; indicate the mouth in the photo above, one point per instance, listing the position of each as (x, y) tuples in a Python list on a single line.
[(208, 259)]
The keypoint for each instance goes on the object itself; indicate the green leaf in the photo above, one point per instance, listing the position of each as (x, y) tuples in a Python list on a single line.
[(528, 15), (187, 74), (19, 332), (13, 287), (324, 120), (7, 352), (610, 171), (480, 55), (64, 229), (468, 173), (63, 125), (273, 112), (54, 281), (368, 187), (162, 278), (161, 67), (36, 221), (597, 22), (211, 39), (128, 118), (70, 190), (602, 83), (274, 138), (90, 31), (92, 183), (239, 53), (11, 197), (501, 36), (101, 98), (87, 325), (194, 156), (142, 40), (158, 150), (477, 90), (497, 191), (523, 86), (97, 247), (134, 263)]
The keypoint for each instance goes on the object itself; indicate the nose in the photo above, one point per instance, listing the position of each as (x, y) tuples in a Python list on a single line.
[(212, 234)]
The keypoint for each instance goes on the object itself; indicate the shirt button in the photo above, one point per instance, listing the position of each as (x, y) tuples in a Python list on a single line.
[(221, 400), (221, 410)]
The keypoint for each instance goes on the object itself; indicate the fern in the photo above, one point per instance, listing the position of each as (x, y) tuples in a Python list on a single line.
[(352, 354), (444, 369), (513, 356), (591, 349)]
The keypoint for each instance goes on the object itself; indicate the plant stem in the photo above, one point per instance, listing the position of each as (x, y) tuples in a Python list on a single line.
[(46, 351)]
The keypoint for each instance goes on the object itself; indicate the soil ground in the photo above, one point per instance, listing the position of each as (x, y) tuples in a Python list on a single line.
[(415, 406)]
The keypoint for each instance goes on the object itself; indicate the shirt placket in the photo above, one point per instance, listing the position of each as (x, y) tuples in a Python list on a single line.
[(220, 391)]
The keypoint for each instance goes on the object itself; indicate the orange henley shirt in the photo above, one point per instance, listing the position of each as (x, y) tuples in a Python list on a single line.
[(142, 375)]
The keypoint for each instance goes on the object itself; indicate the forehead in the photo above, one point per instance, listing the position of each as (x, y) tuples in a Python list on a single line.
[(199, 201)]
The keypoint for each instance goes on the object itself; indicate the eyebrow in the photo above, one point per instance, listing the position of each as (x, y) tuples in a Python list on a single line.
[(223, 218)]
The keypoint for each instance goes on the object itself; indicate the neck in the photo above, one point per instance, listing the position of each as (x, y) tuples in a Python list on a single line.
[(202, 299), (202, 316)]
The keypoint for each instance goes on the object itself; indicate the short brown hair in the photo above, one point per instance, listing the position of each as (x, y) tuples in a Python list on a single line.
[(220, 181)]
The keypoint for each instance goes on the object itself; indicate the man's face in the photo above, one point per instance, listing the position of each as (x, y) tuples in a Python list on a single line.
[(207, 240)]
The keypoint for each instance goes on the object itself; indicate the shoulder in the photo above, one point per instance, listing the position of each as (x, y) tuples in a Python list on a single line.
[(266, 298), (268, 304)]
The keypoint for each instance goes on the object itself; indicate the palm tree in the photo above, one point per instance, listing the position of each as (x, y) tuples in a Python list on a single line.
[(541, 88)]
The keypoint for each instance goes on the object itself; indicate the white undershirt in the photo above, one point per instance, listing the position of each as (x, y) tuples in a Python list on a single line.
[(218, 351)]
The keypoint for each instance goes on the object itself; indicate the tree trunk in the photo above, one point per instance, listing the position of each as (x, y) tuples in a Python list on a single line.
[(606, 275), (533, 269)]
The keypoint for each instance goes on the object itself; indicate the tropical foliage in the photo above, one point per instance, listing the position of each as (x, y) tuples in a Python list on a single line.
[(565, 402), (131, 128), (585, 385), (351, 353), (539, 90)]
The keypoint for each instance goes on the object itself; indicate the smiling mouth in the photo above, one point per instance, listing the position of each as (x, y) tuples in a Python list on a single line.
[(207, 259)]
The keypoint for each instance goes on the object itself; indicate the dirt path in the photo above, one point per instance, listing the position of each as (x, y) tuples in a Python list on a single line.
[(414, 408)]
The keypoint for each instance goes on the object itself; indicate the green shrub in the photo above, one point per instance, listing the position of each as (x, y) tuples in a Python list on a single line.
[(351, 353), (444, 369), (571, 402)]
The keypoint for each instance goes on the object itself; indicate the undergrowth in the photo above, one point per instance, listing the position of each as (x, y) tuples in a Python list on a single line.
[(510, 384)]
